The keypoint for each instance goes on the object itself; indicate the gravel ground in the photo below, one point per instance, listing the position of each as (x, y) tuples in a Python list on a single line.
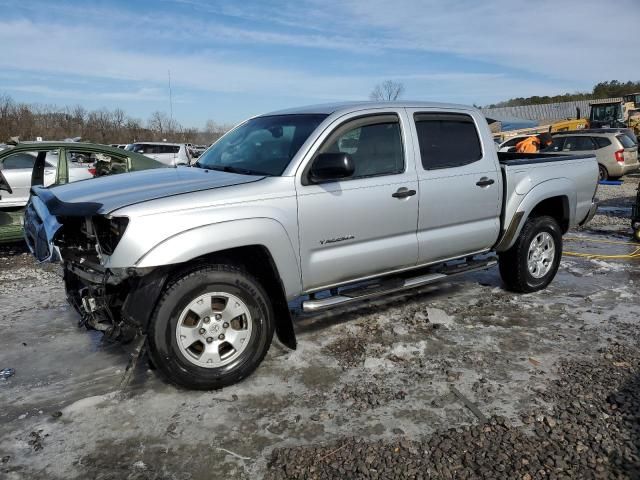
[(592, 431), (616, 203)]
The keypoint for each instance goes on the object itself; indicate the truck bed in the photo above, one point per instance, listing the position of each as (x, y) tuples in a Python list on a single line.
[(514, 158), (553, 175)]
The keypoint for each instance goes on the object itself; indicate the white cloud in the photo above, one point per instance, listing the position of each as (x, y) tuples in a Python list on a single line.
[(139, 94), (579, 40), (553, 46)]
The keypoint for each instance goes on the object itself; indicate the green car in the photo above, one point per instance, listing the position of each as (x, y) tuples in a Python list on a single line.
[(55, 163)]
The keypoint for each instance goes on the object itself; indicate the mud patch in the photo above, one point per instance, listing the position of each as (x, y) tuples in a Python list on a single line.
[(348, 350)]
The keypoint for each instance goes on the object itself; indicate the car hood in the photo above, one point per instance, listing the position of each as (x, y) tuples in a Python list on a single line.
[(109, 193)]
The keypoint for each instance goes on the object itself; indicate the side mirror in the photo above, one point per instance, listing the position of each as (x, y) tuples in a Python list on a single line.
[(331, 166)]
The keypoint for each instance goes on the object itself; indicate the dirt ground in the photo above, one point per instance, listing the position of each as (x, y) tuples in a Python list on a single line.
[(458, 380)]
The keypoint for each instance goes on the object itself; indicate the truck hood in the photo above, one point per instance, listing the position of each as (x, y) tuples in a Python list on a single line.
[(106, 194)]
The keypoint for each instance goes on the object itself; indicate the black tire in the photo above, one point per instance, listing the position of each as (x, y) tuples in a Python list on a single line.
[(636, 235), (603, 173), (164, 351), (514, 262)]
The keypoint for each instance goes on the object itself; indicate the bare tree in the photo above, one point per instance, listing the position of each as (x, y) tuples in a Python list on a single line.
[(28, 121), (387, 91), (158, 122)]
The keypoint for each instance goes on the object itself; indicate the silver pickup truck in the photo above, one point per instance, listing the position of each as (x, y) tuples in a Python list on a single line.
[(325, 205)]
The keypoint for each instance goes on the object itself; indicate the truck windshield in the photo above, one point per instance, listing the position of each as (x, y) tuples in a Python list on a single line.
[(262, 145)]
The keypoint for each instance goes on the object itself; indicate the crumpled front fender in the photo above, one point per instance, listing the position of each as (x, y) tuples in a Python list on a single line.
[(40, 229)]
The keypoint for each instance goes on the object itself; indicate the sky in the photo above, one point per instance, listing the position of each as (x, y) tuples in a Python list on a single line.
[(229, 60)]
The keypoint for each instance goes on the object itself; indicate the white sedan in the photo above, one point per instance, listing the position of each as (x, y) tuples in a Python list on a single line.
[(18, 169)]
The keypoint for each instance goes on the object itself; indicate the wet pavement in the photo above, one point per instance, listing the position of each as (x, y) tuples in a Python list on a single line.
[(397, 369)]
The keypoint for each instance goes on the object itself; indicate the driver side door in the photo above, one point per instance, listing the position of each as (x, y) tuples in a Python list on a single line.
[(359, 226)]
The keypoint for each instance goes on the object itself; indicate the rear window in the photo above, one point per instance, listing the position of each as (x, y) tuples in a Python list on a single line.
[(602, 142), (447, 140), (625, 141)]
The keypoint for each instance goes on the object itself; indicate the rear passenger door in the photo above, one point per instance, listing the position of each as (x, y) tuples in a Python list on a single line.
[(459, 185), (365, 224)]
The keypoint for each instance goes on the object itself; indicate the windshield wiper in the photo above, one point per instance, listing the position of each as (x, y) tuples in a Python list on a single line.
[(240, 170)]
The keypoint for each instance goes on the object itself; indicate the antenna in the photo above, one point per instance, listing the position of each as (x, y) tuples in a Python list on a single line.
[(170, 98)]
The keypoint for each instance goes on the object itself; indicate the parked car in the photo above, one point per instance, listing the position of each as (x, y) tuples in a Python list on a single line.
[(38, 163), (510, 145), (627, 131), (197, 150), (171, 154), (616, 152), (325, 205)]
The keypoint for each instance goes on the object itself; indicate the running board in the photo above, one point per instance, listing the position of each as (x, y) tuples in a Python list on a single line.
[(354, 294)]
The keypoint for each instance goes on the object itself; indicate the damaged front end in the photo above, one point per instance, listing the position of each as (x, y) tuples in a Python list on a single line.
[(116, 301)]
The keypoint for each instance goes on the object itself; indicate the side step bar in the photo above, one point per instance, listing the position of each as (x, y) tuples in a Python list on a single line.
[(354, 294)]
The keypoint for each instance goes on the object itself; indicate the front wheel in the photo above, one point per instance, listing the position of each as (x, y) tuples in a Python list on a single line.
[(211, 328), (533, 261)]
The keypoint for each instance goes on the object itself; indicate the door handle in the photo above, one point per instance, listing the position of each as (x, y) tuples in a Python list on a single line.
[(485, 182), (403, 193)]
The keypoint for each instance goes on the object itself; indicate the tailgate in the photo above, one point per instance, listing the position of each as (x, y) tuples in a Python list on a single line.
[(630, 156)]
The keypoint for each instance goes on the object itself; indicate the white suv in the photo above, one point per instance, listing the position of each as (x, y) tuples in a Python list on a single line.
[(167, 153)]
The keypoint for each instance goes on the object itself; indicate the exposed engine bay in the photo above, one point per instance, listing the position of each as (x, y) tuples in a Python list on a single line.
[(108, 300)]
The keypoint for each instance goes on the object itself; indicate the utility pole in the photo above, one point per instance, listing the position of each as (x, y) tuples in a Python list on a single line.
[(170, 99)]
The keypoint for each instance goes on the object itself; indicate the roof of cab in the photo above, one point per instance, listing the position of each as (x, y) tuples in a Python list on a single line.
[(345, 107)]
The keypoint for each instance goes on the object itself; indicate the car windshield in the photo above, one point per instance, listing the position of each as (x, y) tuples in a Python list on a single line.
[(261, 146)]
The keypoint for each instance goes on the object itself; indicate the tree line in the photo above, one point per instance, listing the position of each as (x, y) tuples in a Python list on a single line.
[(609, 89), (29, 121)]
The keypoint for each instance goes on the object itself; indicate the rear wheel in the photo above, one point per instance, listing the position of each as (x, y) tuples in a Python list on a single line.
[(212, 328), (603, 174), (532, 262)]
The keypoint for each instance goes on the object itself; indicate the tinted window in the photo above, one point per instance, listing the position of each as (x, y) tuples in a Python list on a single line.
[(19, 160), (602, 142), (556, 145), (447, 140), (375, 145), (625, 141), (152, 149), (262, 145), (573, 144), (168, 148)]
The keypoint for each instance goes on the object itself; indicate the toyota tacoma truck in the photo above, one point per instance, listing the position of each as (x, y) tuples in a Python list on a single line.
[(322, 205)]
